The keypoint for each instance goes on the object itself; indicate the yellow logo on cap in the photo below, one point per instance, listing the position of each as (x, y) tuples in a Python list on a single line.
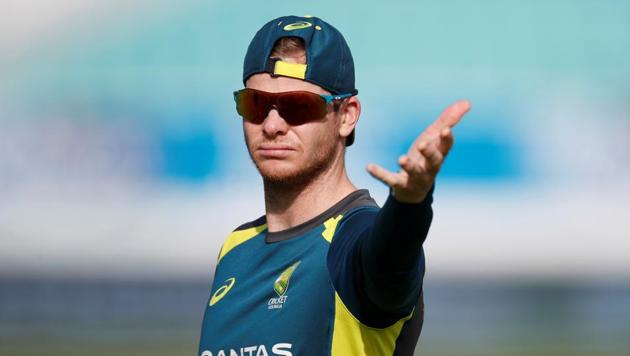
[(297, 25)]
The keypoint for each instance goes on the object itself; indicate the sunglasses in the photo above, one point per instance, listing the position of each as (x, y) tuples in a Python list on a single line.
[(295, 107)]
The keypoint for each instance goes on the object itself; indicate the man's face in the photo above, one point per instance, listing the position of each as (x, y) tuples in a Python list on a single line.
[(292, 154)]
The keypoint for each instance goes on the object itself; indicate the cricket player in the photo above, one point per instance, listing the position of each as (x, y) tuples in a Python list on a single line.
[(324, 271)]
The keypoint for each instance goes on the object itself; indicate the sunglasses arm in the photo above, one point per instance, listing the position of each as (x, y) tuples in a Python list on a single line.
[(330, 98)]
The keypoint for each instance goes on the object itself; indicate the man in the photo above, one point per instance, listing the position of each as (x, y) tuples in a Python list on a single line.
[(324, 271)]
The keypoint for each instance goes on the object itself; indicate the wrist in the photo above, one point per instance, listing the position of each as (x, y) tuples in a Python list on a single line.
[(408, 198), (415, 198)]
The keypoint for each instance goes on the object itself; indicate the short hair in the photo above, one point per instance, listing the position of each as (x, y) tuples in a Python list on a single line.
[(290, 47)]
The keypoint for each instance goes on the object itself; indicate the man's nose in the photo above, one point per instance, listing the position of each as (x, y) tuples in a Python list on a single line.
[(274, 124)]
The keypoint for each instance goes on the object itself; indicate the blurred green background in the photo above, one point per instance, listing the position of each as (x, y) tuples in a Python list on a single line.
[(122, 166)]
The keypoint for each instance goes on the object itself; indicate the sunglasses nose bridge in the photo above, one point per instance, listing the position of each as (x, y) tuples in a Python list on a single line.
[(274, 124), (272, 104)]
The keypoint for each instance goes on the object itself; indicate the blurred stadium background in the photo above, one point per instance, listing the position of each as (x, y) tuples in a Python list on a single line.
[(122, 166)]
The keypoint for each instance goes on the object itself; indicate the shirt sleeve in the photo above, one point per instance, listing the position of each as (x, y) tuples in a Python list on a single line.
[(376, 260)]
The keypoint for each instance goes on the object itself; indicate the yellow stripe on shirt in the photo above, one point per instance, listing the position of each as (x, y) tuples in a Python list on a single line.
[(351, 337), (238, 237)]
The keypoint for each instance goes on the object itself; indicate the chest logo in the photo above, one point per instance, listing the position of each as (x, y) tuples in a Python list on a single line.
[(222, 291), (281, 285)]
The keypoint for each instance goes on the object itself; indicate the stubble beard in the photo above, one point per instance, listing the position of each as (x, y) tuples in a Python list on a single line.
[(301, 176)]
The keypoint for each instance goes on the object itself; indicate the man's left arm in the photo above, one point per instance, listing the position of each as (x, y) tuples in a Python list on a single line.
[(378, 265), (391, 255)]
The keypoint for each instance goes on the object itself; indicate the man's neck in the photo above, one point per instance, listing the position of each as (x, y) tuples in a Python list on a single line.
[(287, 206)]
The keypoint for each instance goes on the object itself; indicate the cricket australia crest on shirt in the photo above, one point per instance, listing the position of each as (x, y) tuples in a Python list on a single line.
[(280, 286)]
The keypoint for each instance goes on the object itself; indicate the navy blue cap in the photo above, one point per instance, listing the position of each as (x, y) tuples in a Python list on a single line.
[(329, 62), (328, 59)]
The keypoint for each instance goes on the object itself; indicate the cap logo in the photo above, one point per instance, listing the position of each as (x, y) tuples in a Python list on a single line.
[(297, 25)]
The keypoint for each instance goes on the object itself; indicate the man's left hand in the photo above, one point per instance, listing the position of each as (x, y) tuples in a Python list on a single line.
[(423, 161)]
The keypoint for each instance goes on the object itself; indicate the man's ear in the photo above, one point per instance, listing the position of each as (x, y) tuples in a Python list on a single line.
[(349, 113)]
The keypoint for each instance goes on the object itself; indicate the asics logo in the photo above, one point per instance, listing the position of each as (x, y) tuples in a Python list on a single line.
[(222, 291)]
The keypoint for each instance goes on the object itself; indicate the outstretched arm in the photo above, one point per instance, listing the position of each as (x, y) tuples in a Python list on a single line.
[(391, 256)]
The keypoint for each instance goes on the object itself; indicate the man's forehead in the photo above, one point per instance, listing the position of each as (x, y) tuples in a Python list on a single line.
[(265, 82)]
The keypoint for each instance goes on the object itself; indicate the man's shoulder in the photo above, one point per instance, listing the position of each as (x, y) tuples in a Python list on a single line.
[(242, 234), (360, 207), (358, 200), (252, 224)]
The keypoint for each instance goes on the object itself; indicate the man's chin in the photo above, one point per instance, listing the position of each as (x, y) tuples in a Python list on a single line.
[(278, 172), (293, 171), (286, 174)]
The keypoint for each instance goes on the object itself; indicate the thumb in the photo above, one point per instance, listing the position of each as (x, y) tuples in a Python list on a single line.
[(382, 174)]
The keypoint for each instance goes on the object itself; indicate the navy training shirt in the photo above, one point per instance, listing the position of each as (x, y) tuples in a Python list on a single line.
[(347, 282)]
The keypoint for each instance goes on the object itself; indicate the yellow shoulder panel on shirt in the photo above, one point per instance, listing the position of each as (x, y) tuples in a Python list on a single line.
[(330, 226), (351, 337), (238, 237)]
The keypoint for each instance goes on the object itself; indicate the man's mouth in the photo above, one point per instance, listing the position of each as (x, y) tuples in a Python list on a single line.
[(274, 150)]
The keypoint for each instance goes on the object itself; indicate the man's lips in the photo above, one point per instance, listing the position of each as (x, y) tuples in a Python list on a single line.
[(274, 150)]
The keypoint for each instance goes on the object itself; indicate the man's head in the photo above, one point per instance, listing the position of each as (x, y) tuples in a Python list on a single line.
[(292, 54)]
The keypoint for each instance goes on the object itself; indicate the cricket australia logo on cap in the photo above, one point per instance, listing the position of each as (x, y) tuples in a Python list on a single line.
[(281, 285)]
